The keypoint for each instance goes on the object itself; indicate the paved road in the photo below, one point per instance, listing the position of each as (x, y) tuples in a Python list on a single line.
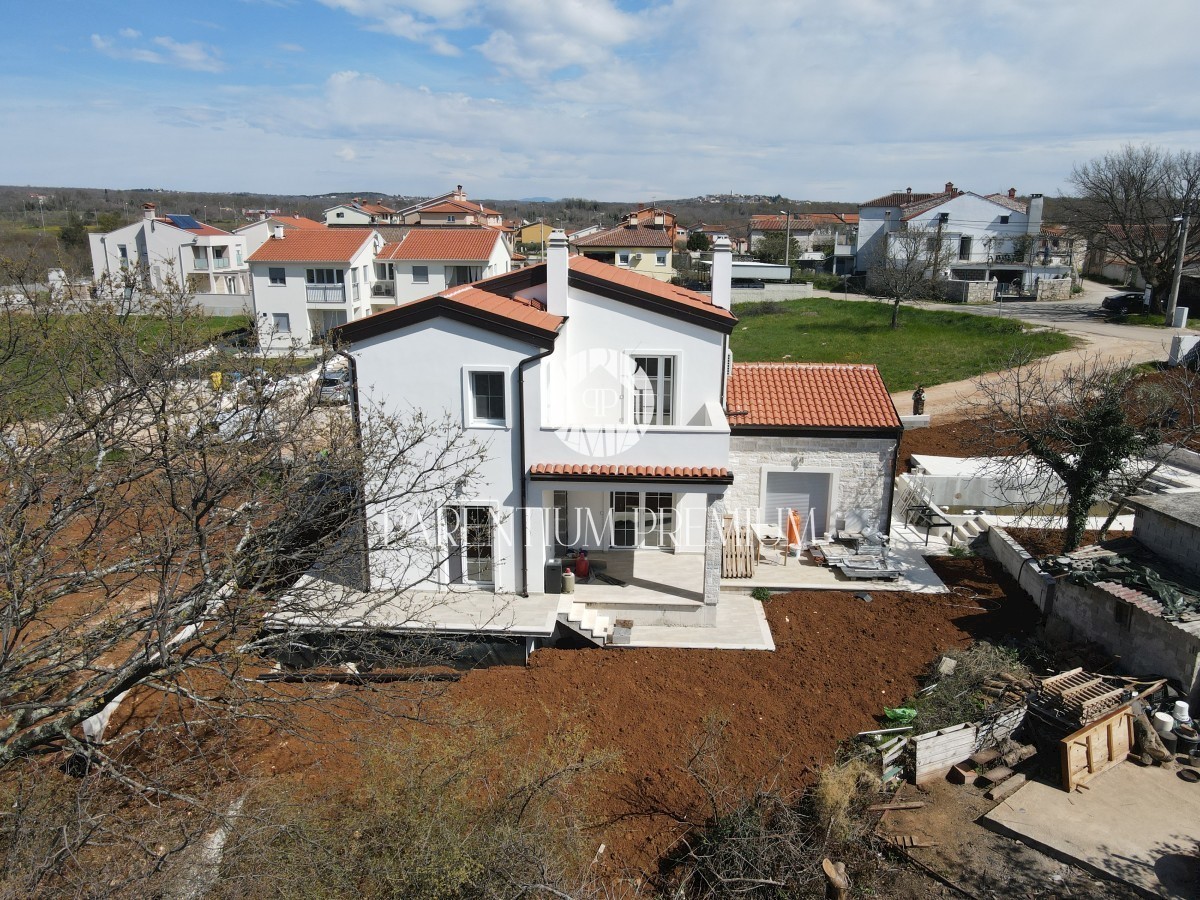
[(1079, 317)]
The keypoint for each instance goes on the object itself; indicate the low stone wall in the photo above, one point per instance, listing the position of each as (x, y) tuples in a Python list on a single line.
[(1053, 289), (1023, 567), (968, 291), (772, 293)]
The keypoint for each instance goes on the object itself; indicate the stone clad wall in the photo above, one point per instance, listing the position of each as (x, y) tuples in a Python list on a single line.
[(1054, 289), (864, 467)]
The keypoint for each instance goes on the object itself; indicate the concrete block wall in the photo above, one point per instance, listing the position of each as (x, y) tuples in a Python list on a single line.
[(864, 469), (1143, 642), (1022, 566), (1169, 538)]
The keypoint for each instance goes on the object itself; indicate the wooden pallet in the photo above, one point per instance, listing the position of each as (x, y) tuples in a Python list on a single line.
[(737, 558), (1079, 696)]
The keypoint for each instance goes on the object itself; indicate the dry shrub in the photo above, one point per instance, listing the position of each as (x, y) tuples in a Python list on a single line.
[(838, 795), (959, 697)]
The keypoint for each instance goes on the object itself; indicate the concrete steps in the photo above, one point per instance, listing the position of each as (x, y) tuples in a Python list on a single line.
[(585, 621)]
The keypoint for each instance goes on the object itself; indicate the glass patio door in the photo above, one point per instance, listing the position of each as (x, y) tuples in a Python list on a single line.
[(471, 535), (642, 519)]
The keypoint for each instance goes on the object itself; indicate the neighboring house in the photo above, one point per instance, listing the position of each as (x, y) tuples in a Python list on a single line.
[(993, 237), (166, 252), (825, 239), (599, 397), (534, 234), (643, 242), (257, 233), (819, 438), (431, 260), (451, 208), (306, 282), (362, 212)]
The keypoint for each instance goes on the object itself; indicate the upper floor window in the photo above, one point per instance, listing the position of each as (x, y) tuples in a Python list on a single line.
[(1004, 220), (325, 276), (420, 274), (282, 322), (964, 248), (276, 275), (123, 252), (339, 215), (486, 399), (450, 218), (654, 390), (623, 258), (660, 259), (385, 271)]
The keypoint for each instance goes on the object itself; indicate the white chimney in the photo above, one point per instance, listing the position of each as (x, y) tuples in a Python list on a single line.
[(148, 211), (1035, 215), (556, 273), (722, 272), (278, 229)]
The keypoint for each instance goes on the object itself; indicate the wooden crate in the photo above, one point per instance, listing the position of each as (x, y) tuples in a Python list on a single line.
[(1096, 748)]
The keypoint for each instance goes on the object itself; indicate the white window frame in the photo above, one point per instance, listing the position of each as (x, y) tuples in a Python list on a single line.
[(282, 270), (287, 323), (623, 257), (468, 395), (422, 280), (630, 406), (660, 258), (323, 276), (462, 546)]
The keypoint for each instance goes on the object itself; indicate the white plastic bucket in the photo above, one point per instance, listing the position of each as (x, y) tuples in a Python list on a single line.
[(1163, 723), (1180, 713)]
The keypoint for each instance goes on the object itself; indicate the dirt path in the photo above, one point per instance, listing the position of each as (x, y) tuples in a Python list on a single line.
[(1099, 339)]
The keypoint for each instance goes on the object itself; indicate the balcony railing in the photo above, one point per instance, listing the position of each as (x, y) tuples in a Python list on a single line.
[(201, 263), (383, 289), (326, 293), (220, 262)]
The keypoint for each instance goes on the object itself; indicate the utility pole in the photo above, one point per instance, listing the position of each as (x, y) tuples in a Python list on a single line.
[(787, 241), (937, 248), (1183, 221)]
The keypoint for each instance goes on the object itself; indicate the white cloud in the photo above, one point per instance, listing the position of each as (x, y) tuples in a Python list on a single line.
[(346, 153), (290, 48), (195, 55)]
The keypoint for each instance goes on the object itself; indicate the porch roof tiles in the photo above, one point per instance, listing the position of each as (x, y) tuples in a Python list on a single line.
[(809, 395), (710, 474)]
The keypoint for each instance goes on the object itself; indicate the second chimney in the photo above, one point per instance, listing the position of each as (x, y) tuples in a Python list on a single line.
[(148, 210), (278, 229), (557, 266), (722, 272)]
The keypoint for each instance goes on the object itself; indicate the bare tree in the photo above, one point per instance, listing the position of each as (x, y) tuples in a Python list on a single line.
[(907, 265), (160, 527), (1095, 429), (1125, 203)]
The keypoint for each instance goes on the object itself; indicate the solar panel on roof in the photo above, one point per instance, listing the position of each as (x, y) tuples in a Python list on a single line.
[(185, 222)]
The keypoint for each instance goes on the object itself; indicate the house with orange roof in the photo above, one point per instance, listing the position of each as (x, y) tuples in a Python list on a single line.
[(256, 233), (994, 237), (643, 242), (611, 419), (361, 212), (170, 252), (822, 239), (430, 260), (307, 281), (452, 208)]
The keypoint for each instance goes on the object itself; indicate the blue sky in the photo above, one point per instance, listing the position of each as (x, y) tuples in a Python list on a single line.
[(606, 99)]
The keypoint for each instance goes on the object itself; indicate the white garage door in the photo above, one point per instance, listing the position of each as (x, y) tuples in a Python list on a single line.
[(800, 491)]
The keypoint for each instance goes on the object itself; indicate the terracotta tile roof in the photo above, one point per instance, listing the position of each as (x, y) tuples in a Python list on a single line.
[(203, 227), (527, 312), (440, 243), (297, 221), (695, 473), (375, 209), (904, 198), (809, 395), (304, 245), (915, 209), (455, 206), (1011, 202), (647, 285), (780, 223), (621, 236), (834, 218)]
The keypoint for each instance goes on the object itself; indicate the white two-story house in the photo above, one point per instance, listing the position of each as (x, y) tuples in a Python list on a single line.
[(993, 237), (599, 396), (307, 281), (173, 252), (423, 261)]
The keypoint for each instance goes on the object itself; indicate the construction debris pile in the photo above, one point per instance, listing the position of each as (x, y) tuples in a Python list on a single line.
[(1178, 602)]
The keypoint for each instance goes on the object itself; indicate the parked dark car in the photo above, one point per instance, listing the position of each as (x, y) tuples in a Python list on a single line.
[(1123, 303)]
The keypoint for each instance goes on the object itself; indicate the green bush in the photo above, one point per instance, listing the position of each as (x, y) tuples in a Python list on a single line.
[(761, 594)]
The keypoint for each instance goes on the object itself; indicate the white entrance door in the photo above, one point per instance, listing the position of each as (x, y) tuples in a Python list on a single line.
[(471, 534)]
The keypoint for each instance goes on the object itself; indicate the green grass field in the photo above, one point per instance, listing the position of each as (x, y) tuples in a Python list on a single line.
[(930, 346)]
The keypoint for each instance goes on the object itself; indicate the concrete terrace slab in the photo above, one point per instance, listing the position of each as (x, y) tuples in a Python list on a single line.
[(741, 625), (803, 574), (1138, 825)]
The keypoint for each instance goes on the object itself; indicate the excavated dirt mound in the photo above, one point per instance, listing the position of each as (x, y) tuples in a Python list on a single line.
[(839, 661)]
